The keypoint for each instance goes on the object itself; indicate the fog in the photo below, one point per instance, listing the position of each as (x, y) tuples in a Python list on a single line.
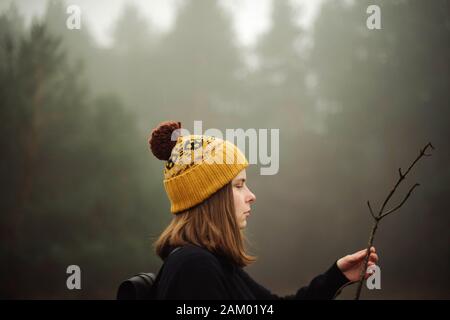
[(352, 105)]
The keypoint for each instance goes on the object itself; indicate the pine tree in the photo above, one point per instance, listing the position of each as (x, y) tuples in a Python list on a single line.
[(199, 59), (282, 73), (73, 182)]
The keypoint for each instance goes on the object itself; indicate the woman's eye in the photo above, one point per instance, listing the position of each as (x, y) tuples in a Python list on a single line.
[(239, 186)]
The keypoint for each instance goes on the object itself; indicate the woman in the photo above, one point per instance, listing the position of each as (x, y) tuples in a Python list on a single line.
[(203, 247)]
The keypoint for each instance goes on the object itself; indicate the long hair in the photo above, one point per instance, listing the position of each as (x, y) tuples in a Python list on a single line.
[(211, 224)]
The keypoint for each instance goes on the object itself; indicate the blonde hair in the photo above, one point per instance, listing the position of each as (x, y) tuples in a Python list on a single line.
[(211, 224)]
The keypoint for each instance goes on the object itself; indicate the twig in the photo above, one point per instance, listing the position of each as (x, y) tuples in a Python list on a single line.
[(401, 203), (371, 211), (382, 214)]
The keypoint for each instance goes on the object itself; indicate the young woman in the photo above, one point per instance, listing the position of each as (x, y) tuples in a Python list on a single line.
[(203, 246)]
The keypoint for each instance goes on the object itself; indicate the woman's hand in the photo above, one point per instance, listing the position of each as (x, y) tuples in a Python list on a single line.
[(352, 264)]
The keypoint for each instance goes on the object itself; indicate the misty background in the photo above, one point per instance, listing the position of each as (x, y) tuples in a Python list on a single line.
[(80, 185)]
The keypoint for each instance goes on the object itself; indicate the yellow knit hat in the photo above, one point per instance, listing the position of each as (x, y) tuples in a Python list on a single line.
[(197, 166)]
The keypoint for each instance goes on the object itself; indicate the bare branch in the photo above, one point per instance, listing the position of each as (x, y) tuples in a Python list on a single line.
[(401, 203), (371, 211), (382, 215), (422, 153), (403, 176)]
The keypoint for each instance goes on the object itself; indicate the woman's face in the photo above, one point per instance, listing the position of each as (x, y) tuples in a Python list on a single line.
[(243, 197)]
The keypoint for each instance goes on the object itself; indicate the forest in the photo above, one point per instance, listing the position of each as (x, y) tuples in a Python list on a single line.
[(352, 105)]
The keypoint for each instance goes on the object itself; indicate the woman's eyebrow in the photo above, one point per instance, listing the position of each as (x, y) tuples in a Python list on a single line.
[(239, 180)]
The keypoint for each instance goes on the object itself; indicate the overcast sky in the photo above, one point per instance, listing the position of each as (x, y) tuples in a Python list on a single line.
[(250, 17)]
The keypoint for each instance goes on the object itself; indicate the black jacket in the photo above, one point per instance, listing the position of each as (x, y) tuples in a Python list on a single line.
[(193, 272)]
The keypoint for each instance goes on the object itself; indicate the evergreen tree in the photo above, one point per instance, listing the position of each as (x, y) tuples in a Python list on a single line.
[(282, 73), (200, 61), (74, 178)]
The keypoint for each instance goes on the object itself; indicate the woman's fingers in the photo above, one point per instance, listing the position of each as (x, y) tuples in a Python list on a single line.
[(362, 253), (359, 255), (357, 258), (373, 257), (369, 271)]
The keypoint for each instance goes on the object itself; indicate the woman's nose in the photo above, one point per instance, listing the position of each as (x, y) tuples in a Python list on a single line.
[(252, 197)]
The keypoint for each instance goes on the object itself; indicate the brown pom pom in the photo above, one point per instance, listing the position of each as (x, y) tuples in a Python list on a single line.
[(160, 141)]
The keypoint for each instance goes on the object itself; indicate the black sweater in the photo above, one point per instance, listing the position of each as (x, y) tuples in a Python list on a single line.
[(193, 272)]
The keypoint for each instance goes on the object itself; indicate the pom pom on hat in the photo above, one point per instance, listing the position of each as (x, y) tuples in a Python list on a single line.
[(161, 142)]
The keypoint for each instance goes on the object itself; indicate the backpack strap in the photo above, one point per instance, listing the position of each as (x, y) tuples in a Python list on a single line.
[(141, 286), (155, 283), (137, 287), (174, 250)]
